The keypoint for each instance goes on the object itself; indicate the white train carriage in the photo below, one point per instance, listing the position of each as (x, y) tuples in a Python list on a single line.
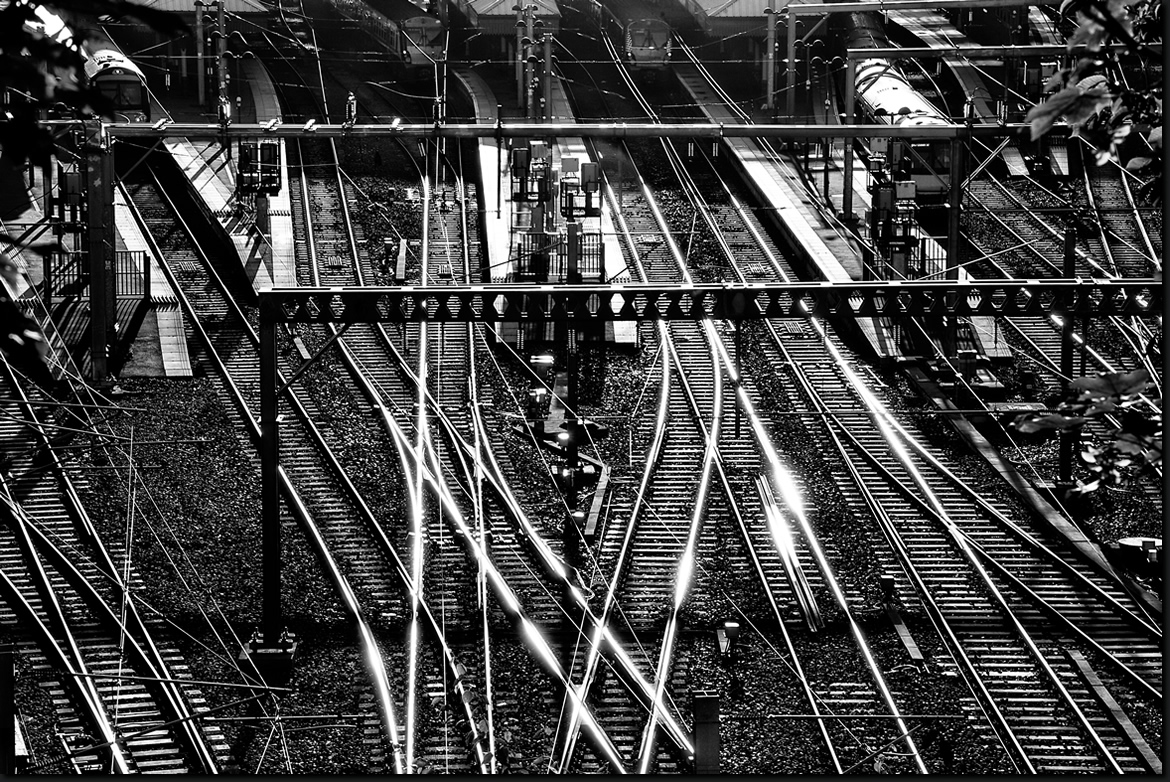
[(886, 96), (105, 67)]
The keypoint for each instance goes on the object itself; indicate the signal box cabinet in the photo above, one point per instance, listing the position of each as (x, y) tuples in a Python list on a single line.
[(258, 167)]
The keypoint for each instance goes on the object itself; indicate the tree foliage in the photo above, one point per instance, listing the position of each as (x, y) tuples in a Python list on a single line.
[(1132, 446), (1094, 95)]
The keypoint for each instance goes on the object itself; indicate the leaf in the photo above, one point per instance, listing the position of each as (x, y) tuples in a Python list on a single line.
[(1126, 446), (1109, 384), (1089, 82), (1047, 421), (1086, 105), (1090, 35), (1155, 138), (1044, 115)]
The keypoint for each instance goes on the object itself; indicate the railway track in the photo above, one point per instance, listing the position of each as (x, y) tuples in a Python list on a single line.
[(447, 531), (1113, 749), (1098, 602), (323, 502), (694, 348), (121, 706)]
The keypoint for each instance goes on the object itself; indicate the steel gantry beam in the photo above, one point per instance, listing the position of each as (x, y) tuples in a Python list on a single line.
[(580, 304), (703, 130)]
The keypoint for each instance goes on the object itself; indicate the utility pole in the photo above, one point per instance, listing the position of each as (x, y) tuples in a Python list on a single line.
[(221, 47), (520, 33), (199, 76), (547, 39), (530, 62)]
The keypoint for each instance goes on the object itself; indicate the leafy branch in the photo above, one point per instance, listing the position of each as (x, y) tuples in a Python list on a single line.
[(1092, 96), (1131, 448)]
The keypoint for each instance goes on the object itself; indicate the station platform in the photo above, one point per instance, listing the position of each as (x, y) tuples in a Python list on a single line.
[(150, 324), (268, 260), (935, 30), (776, 182), (502, 218), (827, 250)]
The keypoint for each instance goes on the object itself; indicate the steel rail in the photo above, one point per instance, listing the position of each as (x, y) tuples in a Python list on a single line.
[(414, 584), (715, 341), (898, 546), (418, 527), (884, 420), (145, 649), (297, 507), (478, 447), (62, 644), (1022, 533), (552, 565), (195, 742), (507, 598), (512, 606), (1103, 232), (781, 478), (687, 559), (145, 652), (1005, 571), (1032, 249)]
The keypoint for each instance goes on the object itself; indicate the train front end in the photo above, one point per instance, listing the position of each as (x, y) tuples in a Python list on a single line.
[(424, 41), (648, 43)]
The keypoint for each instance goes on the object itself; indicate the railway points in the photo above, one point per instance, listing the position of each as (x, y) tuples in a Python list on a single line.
[(532, 424)]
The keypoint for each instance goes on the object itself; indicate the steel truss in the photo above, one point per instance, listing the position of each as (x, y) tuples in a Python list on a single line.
[(580, 304)]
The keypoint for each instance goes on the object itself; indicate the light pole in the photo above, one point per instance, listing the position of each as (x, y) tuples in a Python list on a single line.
[(245, 55), (221, 47), (770, 59), (828, 146), (520, 30)]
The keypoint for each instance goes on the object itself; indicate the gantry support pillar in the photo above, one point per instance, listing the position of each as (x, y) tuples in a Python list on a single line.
[(99, 246)]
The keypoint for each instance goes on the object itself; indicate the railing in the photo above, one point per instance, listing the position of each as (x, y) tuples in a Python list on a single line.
[(131, 274)]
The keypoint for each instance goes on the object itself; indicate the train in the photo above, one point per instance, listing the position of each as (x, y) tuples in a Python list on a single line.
[(106, 68), (415, 35), (885, 95), (647, 43), (647, 39)]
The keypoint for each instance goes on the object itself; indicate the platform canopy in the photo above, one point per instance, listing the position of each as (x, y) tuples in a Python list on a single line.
[(498, 17), (187, 7)]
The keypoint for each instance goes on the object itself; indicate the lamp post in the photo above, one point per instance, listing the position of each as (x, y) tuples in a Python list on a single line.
[(221, 47), (770, 59), (245, 55), (828, 146), (520, 29)]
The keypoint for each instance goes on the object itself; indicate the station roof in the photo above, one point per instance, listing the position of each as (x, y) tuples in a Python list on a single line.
[(731, 17), (185, 7), (498, 17)]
